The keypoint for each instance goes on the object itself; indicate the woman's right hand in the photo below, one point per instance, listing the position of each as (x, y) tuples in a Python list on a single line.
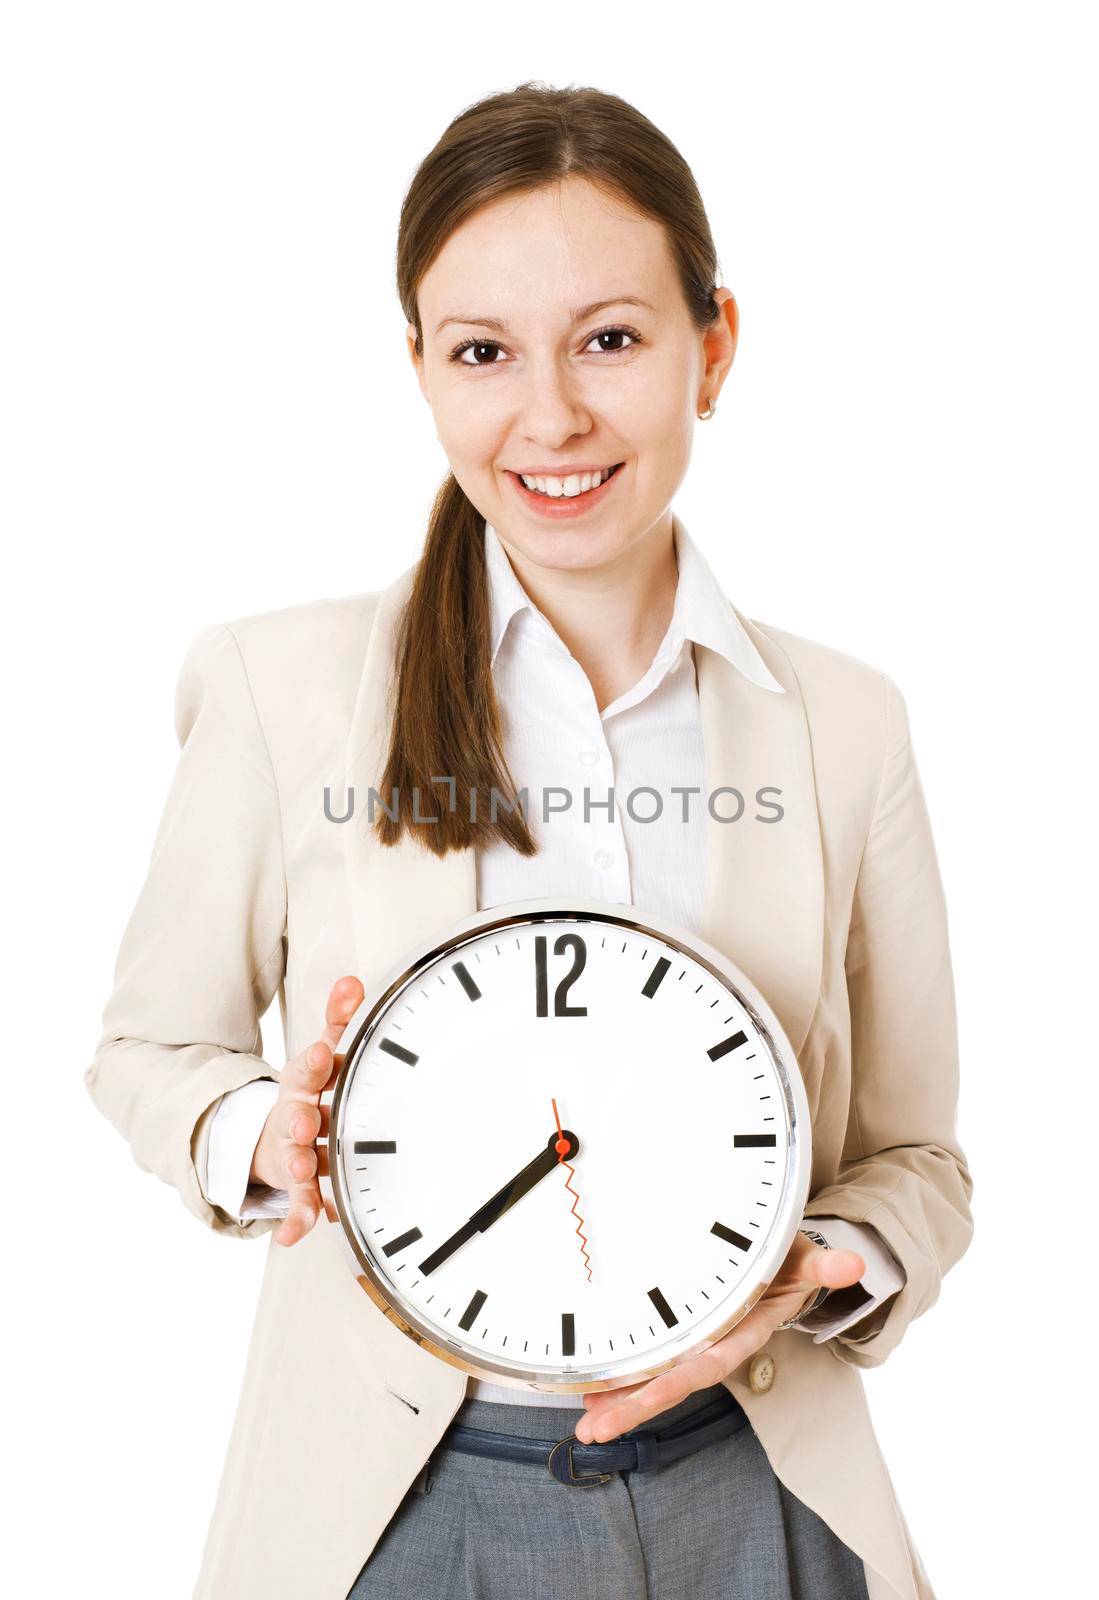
[(286, 1155)]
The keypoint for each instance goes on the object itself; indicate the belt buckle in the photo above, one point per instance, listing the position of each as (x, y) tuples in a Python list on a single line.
[(584, 1479)]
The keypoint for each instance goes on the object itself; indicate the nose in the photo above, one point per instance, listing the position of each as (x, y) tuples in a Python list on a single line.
[(553, 408)]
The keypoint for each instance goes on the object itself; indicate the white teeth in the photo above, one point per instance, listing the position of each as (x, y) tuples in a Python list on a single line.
[(569, 487)]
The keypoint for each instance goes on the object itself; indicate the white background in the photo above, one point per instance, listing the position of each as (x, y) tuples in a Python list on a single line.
[(208, 411)]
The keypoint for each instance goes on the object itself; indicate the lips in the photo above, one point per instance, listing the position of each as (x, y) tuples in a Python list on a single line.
[(564, 506)]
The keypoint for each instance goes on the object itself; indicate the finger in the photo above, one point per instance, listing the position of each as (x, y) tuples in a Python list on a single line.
[(834, 1269), (305, 1077), (307, 1127), (606, 1412), (808, 1264), (305, 1206), (344, 999), (302, 1122), (308, 1075), (616, 1411), (300, 1163), (314, 1069), (597, 1395), (612, 1412)]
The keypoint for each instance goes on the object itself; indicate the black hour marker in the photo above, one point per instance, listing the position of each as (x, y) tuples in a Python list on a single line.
[(402, 1242), (669, 1316), (568, 1334), (472, 1309), (733, 1042), (462, 973), (731, 1236), (655, 978), (399, 1051), (753, 1141), (375, 1147)]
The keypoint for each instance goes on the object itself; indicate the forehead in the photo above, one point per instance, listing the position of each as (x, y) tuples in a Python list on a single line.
[(528, 258)]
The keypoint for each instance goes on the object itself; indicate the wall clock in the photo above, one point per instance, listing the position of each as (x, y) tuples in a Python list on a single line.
[(568, 1145)]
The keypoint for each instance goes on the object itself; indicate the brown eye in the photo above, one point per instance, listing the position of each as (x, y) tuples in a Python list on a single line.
[(615, 333), (478, 347)]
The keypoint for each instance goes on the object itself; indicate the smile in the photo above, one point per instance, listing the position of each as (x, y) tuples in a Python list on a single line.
[(564, 497), (569, 487)]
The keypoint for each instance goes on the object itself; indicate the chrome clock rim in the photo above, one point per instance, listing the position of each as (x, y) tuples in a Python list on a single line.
[(548, 909)]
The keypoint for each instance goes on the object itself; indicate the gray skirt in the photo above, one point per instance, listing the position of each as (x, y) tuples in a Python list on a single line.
[(717, 1524)]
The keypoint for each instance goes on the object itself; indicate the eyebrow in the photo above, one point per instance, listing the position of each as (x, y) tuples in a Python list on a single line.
[(578, 314)]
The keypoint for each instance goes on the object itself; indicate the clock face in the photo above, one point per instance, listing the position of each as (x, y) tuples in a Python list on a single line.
[(567, 1148)]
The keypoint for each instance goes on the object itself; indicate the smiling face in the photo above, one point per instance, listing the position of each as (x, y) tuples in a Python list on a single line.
[(528, 373)]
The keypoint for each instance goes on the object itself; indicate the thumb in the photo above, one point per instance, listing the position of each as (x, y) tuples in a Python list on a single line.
[(834, 1269)]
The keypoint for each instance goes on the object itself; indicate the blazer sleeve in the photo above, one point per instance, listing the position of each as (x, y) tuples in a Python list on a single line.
[(204, 951), (903, 1171)]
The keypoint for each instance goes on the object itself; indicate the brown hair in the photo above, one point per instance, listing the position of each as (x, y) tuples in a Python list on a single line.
[(446, 758)]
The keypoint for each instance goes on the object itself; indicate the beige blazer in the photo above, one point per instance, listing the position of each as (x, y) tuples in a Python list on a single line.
[(836, 913)]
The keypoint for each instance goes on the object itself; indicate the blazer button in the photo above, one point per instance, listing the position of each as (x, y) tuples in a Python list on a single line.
[(761, 1373)]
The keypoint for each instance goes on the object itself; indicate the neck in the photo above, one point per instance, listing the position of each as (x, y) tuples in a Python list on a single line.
[(612, 617)]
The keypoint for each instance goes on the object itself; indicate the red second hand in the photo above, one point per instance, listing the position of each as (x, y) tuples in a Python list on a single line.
[(562, 1148)]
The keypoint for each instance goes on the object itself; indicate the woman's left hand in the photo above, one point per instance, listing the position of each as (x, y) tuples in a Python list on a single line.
[(807, 1267)]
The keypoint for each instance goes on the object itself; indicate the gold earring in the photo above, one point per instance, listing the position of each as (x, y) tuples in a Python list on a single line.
[(711, 407)]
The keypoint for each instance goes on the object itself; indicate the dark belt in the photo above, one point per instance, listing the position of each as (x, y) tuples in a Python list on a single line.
[(640, 1450)]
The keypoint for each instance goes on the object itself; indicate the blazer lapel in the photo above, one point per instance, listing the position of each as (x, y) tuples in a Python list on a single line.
[(764, 903)]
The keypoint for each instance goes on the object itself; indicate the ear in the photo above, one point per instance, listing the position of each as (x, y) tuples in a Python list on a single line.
[(417, 360), (719, 345)]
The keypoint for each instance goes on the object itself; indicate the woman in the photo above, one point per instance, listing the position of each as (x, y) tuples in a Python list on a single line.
[(561, 629)]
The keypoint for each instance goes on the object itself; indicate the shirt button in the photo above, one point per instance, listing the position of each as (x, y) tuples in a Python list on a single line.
[(589, 757), (603, 858)]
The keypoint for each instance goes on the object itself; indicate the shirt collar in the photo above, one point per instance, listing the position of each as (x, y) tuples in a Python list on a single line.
[(701, 612)]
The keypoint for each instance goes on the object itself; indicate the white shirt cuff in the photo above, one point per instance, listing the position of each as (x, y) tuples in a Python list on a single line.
[(884, 1275), (234, 1133)]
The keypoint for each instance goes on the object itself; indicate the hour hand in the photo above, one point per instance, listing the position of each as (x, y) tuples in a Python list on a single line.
[(504, 1198)]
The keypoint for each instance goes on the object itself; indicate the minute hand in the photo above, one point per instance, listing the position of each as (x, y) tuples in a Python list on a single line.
[(481, 1220)]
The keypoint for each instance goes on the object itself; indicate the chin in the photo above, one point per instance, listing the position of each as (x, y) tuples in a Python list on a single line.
[(567, 547)]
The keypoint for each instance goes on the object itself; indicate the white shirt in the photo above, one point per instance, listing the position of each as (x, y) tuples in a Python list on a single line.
[(584, 772)]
